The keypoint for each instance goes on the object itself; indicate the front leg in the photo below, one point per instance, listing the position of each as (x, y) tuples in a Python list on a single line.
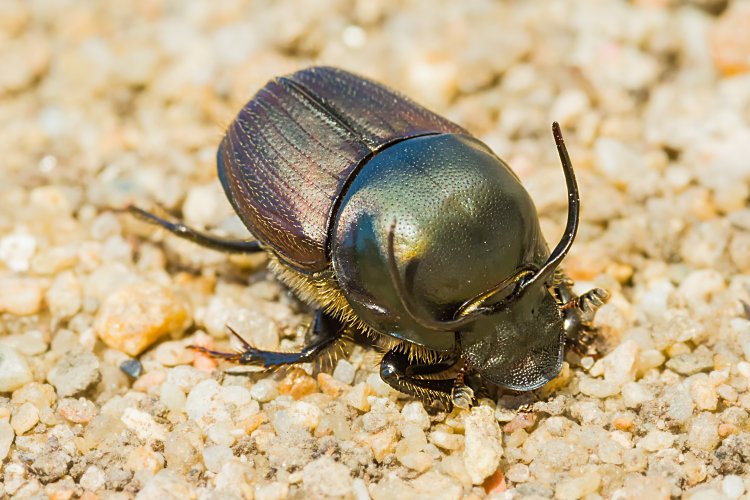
[(403, 374), (579, 312), (322, 335)]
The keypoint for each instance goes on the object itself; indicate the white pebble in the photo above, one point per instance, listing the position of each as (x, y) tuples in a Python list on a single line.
[(308, 415), (618, 161), (214, 457), (30, 343), (64, 295), (265, 390), (703, 434), (733, 486), (199, 400), (375, 382), (360, 489), (75, 373), (221, 433), (173, 353), (518, 473), (578, 487), (597, 388), (618, 367), (700, 286), (446, 440), (635, 394), (21, 296), (166, 484), (17, 250), (93, 479), (236, 478), (656, 441), (418, 461), (482, 444), (703, 393), (204, 205), (185, 377), (6, 439), (344, 372), (299, 415), (569, 106), (172, 397), (324, 477), (655, 299), (414, 412), (25, 417), (14, 370), (357, 396), (143, 425)]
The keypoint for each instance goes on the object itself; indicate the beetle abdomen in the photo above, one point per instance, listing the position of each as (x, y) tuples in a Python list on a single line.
[(289, 153)]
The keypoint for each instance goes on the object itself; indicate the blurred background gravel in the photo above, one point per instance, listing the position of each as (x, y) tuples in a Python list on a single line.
[(104, 103)]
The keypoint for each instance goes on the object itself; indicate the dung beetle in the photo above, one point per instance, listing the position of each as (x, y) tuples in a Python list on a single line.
[(398, 225)]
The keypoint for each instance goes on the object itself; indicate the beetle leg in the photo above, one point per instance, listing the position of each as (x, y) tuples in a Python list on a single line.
[(323, 333), (403, 374), (178, 228)]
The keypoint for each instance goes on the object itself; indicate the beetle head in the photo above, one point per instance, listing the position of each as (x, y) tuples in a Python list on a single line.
[(519, 347)]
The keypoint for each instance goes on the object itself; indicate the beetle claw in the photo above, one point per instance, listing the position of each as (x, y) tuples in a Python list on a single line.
[(244, 343), (229, 356)]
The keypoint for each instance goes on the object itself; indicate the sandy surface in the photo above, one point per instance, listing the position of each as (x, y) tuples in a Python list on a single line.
[(104, 103)]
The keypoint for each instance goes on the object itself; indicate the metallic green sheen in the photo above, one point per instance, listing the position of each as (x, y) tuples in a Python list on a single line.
[(464, 223)]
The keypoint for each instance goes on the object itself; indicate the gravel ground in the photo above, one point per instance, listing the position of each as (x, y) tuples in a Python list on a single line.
[(104, 103)]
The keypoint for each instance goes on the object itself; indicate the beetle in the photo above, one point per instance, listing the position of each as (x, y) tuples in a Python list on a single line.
[(397, 224)]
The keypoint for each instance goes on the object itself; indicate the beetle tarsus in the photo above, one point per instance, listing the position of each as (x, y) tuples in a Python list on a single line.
[(463, 395), (178, 228), (579, 314), (590, 302)]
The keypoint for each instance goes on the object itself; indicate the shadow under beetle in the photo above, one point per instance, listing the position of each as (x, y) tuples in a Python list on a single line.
[(397, 224)]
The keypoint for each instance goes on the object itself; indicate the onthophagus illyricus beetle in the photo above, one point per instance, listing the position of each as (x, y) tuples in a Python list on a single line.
[(398, 225)]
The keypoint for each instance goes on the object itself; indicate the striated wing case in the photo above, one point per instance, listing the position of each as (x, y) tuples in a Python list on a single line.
[(292, 149)]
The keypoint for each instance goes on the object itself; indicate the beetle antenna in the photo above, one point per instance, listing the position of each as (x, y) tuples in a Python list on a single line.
[(403, 296), (571, 228)]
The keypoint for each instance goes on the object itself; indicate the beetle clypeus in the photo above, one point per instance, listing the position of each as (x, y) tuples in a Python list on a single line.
[(397, 224)]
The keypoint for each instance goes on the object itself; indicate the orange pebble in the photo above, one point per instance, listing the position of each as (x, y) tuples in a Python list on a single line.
[(730, 40), (495, 483), (252, 423), (149, 380), (521, 421), (623, 423), (297, 384), (204, 362), (331, 386)]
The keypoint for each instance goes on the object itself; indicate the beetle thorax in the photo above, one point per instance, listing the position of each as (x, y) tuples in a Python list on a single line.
[(463, 223)]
